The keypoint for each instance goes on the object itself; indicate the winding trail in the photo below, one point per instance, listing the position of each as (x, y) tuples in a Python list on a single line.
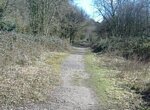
[(69, 96)]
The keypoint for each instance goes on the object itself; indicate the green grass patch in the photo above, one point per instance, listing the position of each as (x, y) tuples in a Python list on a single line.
[(99, 82)]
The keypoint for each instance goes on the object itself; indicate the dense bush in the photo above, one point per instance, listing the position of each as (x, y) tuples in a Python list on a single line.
[(24, 49), (130, 48), (25, 75), (125, 28)]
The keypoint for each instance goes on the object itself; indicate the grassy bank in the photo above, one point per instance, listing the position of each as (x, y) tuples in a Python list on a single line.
[(113, 79), (30, 84), (29, 68)]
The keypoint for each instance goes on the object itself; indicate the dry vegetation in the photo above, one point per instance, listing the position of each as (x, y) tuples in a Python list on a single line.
[(33, 31), (31, 34), (125, 28), (119, 83), (28, 70), (125, 33)]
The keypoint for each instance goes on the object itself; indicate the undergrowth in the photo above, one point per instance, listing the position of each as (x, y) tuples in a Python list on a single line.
[(29, 68), (135, 48), (113, 79)]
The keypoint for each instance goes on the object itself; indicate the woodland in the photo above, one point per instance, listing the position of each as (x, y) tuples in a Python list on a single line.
[(35, 35)]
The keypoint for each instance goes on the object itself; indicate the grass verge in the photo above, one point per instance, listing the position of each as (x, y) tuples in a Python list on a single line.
[(109, 86), (20, 85)]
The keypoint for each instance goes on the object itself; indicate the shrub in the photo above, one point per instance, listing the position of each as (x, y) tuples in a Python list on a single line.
[(130, 48), (25, 75)]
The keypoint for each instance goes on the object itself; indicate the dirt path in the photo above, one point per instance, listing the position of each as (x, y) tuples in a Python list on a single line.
[(72, 96)]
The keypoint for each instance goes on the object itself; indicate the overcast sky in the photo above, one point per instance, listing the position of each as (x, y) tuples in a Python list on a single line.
[(88, 6)]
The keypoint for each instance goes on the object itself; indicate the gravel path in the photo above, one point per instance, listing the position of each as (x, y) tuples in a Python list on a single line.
[(69, 96)]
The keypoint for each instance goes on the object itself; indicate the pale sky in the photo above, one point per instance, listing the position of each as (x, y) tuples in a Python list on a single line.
[(88, 6)]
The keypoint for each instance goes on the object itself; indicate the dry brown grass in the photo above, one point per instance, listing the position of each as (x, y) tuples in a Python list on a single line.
[(131, 75), (28, 70), (119, 83), (134, 73)]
